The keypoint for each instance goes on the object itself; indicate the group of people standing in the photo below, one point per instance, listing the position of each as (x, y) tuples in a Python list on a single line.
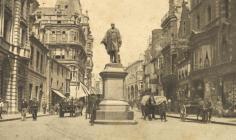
[(31, 107)]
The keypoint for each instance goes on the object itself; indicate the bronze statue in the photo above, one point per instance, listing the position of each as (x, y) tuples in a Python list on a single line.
[(112, 42)]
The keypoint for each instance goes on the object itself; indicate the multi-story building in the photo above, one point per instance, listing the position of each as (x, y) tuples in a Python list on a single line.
[(14, 50), (134, 80), (170, 26), (37, 74), (212, 42), (183, 65), (65, 30), (157, 60), (58, 77)]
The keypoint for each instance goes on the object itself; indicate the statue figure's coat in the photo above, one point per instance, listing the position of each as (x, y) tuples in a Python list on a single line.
[(112, 40)]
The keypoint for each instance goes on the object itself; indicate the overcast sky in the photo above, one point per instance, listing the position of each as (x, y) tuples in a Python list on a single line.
[(134, 18)]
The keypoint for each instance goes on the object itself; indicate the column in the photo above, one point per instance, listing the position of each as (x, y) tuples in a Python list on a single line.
[(16, 23), (2, 7)]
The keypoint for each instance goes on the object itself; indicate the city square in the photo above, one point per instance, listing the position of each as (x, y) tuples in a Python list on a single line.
[(122, 70)]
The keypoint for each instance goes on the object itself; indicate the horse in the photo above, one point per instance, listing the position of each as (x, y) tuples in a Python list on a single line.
[(148, 107)]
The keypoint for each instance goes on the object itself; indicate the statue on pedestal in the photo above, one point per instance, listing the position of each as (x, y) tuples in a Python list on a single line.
[(112, 42)]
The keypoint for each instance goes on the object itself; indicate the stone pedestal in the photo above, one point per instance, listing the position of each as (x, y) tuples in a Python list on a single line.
[(114, 108)]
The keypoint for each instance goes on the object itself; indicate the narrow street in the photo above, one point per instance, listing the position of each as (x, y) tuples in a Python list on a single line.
[(55, 128)]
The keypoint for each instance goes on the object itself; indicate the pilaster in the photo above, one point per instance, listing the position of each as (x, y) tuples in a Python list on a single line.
[(2, 9)]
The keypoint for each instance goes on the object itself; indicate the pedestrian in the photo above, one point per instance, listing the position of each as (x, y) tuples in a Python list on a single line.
[(44, 106), (1, 108), (152, 107), (24, 107), (163, 108), (183, 112), (34, 109), (93, 104), (209, 110)]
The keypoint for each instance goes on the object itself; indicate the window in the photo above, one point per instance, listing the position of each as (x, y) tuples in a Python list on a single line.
[(36, 92), (198, 22), (63, 36), (41, 65), (58, 70), (227, 8), (51, 81), (57, 83), (37, 61), (53, 39), (30, 91), (52, 66), (32, 55), (66, 6), (209, 14), (58, 22), (39, 16)]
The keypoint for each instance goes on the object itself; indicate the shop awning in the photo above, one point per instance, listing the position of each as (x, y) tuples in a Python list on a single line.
[(58, 93)]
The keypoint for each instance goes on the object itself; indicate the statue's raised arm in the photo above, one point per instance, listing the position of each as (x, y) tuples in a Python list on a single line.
[(112, 42)]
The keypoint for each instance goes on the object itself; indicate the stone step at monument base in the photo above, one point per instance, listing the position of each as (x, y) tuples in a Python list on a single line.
[(114, 115), (116, 122)]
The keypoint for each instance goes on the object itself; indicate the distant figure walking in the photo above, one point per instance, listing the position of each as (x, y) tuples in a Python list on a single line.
[(163, 108), (44, 106), (34, 109), (93, 104), (24, 108), (1, 108)]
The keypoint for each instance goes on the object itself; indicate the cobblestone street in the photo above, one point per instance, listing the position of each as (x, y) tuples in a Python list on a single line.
[(56, 128)]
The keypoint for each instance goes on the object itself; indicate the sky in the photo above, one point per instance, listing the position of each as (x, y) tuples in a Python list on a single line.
[(134, 18)]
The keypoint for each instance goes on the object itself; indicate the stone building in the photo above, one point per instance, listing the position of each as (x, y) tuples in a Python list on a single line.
[(65, 30), (134, 80), (58, 83), (14, 50), (36, 73), (213, 53), (183, 65), (149, 71), (170, 26), (157, 60)]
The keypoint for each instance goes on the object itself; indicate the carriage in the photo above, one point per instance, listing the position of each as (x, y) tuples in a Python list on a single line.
[(147, 105), (200, 109), (66, 106)]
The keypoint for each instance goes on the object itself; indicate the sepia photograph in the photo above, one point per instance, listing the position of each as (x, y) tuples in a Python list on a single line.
[(117, 69)]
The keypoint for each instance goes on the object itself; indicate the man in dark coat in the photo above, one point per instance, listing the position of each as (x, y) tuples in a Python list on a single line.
[(163, 109), (93, 107), (34, 109), (112, 42)]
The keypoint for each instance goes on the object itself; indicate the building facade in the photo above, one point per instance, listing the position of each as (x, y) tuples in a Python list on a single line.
[(213, 53), (14, 50), (134, 85), (65, 29)]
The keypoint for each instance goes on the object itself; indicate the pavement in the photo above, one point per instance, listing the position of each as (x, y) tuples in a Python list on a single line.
[(215, 120), (78, 128), (13, 117)]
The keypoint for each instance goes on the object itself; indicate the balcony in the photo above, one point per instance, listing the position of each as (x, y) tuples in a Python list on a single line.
[(58, 22), (22, 52)]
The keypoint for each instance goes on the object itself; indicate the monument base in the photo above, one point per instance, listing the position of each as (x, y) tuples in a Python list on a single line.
[(113, 110)]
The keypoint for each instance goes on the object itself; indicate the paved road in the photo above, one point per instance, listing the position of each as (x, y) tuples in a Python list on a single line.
[(54, 128)]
